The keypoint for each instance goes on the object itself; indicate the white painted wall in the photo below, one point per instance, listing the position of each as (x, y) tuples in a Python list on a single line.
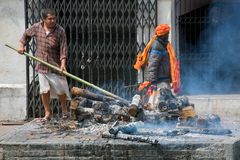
[(12, 102), (12, 24), (225, 106), (12, 65), (165, 14), (164, 11)]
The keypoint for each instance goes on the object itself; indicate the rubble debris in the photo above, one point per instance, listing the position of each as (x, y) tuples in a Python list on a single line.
[(186, 112), (212, 131), (60, 125), (209, 121), (149, 133)]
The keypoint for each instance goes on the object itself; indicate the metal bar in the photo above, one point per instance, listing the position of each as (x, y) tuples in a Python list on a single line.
[(110, 51), (91, 41), (104, 42), (27, 60), (72, 76)]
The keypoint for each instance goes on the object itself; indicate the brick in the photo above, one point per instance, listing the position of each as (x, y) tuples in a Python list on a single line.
[(85, 158), (78, 153), (151, 153), (23, 158), (149, 158), (119, 158), (1, 153), (46, 146), (119, 153), (100, 152), (35, 153), (119, 147), (55, 152), (99, 158), (137, 153)]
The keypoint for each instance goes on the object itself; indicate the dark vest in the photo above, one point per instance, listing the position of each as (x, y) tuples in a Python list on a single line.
[(158, 68)]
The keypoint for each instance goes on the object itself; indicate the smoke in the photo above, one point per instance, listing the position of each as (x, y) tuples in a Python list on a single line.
[(217, 69)]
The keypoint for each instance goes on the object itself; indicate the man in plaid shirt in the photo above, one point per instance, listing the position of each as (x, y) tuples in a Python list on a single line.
[(52, 48)]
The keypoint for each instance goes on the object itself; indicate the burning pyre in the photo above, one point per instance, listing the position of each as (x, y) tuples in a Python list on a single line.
[(138, 121)]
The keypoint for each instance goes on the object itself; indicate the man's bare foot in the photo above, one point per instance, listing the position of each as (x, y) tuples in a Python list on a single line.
[(44, 119), (65, 116)]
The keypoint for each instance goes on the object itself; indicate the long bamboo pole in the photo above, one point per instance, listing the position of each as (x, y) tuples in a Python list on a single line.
[(72, 76)]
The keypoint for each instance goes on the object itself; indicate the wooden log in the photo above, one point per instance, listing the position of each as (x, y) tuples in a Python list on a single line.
[(90, 95)]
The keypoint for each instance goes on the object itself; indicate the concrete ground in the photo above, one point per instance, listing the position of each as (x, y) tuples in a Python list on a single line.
[(61, 140), (6, 127)]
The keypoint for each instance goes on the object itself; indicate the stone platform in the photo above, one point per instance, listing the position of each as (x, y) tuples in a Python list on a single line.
[(37, 141), (226, 106), (12, 98)]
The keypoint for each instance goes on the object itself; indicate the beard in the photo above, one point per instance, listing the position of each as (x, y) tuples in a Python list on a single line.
[(52, 25)]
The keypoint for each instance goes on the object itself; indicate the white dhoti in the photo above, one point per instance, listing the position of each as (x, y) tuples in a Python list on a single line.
[(55, 83)]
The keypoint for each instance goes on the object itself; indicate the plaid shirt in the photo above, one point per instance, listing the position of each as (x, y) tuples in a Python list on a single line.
[(51, 48)]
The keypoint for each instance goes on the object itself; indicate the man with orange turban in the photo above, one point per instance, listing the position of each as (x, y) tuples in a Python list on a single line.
[(161, 67)]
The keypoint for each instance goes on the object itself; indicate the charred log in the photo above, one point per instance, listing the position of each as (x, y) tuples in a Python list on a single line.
[(145, 139), (97, 97), (89, 95)]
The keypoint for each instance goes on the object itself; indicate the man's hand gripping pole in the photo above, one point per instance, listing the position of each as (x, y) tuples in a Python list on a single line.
[(124, 101)]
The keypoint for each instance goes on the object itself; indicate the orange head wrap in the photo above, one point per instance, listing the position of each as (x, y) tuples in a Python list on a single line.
[(162, 29)]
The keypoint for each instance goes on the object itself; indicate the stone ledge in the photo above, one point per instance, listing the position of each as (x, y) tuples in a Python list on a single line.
[(12, 90), (13, 101), (33, 141), (226, 106)]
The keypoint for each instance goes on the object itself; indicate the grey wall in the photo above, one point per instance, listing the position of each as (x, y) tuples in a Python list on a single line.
[(12, 65)]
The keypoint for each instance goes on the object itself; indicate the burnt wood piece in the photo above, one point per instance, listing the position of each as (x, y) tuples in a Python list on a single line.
[(129, 128), (90, 95), (210, 131), (146, 139)]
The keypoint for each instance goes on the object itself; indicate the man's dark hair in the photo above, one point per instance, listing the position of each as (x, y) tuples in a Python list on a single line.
[(47, 11)]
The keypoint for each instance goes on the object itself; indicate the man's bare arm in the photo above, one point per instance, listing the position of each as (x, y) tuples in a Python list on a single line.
[(21, 48)]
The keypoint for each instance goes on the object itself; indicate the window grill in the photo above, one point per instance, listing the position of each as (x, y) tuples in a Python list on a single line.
[(103, 36)]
